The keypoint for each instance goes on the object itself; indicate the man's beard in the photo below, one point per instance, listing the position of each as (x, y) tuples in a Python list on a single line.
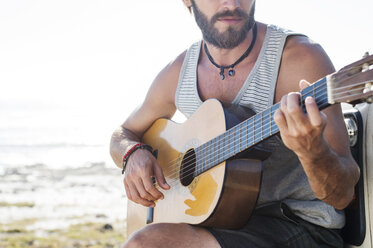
[(229, 38)]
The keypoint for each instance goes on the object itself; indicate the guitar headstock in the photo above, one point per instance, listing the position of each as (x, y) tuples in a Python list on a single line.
[(353, 83)]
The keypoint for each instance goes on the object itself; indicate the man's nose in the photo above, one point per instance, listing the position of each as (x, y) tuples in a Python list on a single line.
[(230, 4)]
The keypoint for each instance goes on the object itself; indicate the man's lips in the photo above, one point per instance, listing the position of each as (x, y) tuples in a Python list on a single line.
[(230, 19)]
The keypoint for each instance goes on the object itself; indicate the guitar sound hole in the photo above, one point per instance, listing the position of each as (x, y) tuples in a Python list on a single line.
[(187, 167)]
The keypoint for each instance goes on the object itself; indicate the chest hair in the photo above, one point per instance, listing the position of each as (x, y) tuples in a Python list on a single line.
[(210, 85)]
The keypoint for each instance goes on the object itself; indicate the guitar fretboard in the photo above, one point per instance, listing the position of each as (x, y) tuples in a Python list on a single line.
[(251, 131)]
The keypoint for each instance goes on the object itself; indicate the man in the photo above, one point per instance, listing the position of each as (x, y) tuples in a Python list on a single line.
[(247, 65)]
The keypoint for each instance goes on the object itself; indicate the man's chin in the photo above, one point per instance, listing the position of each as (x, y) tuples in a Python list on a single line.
[(223, 27)]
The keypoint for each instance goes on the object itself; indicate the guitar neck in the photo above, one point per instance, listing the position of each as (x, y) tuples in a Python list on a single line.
[(251, 131)]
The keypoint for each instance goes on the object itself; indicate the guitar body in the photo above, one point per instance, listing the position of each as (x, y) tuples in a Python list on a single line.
[(223, 196)]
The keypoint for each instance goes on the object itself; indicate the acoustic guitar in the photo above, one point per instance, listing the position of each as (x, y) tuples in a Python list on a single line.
[(211, 184)]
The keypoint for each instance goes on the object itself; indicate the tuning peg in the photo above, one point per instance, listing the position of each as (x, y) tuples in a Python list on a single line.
[(365, 66), (369, 85)]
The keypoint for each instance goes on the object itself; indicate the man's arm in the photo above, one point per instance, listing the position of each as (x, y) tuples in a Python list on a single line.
[(319, 139), (141, 166)]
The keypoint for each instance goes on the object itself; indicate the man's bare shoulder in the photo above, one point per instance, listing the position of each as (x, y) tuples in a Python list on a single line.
[(165, 83), (305, 55), (170, 73), (302, 59), (159, 101)]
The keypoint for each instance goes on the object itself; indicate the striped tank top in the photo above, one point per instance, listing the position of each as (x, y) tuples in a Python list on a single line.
[(283, 176)]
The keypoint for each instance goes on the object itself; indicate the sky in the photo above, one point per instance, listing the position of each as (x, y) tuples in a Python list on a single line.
[(92, 61)]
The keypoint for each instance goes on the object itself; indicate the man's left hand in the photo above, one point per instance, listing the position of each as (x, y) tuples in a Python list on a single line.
[(302, 132)]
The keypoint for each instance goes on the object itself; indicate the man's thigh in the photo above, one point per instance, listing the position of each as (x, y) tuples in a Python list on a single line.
[(172, 235), (273, 228), (268, 227)]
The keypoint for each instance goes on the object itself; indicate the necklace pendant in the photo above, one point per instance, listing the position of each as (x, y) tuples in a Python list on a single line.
[(222, 76), (231, 72), (221, 73)]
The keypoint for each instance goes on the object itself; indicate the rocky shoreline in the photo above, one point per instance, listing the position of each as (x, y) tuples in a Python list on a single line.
[(70, 207), (94, 235)]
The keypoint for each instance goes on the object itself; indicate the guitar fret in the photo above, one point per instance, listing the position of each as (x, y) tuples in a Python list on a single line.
[(199, 160), (254, 130), (256, 127), (261, 126), (324, 97), (211, 158), (231, 148), (227, 144), (205, 164), (266, 119), (224, 148), (203, 156), (221, 149), (244, 135), (202, 164), (313, 91), (214, 160), (240, 141), (218, 149), (236, 141), (211, 161), (233, 143), (270, 120), (208, 154), (211, 154)]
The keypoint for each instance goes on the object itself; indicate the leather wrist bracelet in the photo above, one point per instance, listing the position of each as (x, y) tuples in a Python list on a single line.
[(132, 150)]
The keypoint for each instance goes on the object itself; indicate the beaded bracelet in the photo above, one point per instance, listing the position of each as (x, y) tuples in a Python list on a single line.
[(132, 150)]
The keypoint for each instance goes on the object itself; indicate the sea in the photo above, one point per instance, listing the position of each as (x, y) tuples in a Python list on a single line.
[(55, 167)]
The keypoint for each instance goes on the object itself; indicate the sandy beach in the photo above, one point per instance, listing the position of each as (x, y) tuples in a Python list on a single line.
[(72, 207)]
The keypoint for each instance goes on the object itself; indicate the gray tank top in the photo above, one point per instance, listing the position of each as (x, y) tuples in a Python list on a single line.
[(283, 176)]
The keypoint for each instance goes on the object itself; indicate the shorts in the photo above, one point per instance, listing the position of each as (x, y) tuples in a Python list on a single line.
[(276, 226)]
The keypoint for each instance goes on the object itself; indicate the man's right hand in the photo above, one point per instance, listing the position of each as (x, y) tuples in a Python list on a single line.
[(140, 169)]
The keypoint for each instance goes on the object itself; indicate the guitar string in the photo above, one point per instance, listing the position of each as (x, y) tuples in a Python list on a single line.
[(192, 168), (359, 90), (229, 139), (208, 160), (350, 86)]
